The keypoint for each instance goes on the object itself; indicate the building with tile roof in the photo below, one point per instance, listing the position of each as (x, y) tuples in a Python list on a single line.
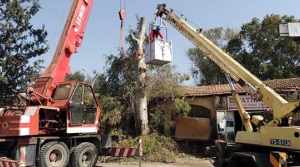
[(207, 100), (279, 85)]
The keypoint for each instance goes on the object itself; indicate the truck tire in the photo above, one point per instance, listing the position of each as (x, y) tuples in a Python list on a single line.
[(54, 154), (84, 155), (71, 152)]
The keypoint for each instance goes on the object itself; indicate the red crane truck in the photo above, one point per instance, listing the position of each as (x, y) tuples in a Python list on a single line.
[(59, 123)]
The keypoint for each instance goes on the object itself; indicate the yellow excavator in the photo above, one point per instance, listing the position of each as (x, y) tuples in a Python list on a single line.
[(264, 142)]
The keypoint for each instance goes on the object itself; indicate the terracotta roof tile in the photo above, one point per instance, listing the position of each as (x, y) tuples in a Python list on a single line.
[(284, 85), (208, 90), (279, 85)]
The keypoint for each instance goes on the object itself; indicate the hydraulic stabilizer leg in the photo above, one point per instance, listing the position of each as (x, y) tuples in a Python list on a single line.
[(243, 113)]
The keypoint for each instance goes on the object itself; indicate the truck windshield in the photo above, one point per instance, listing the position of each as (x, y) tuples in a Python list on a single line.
[(62, 92)]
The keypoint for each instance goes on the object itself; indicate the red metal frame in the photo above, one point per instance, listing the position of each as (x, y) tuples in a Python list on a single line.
[(70, 40)]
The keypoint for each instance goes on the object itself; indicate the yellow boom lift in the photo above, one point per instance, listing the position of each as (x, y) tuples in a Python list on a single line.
[(263, 143)]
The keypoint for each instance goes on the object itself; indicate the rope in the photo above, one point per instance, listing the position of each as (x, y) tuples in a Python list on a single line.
[(123, 52), (124, 4), (122, 15), (124, 7)]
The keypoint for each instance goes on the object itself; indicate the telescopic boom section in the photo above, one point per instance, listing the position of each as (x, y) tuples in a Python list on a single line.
[(281, 108), (70, 40)]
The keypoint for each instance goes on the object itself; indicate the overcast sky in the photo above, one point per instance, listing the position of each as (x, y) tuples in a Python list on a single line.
[(102, 32)]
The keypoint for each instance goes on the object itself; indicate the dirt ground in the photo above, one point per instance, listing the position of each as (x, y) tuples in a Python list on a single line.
[(186, 162)]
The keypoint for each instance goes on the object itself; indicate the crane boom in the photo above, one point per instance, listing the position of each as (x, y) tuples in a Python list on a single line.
[(59, 120), (70, 40), (254, 86)]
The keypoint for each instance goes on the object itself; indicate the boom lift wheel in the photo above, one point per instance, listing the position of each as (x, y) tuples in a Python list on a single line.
[(54, 154), (84, 155)]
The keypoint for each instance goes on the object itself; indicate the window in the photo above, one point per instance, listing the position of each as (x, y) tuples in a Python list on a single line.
[(77, 95), (62, 92), (88, 97)]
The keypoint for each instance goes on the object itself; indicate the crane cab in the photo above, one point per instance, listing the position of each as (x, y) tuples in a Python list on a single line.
[(158, 51)]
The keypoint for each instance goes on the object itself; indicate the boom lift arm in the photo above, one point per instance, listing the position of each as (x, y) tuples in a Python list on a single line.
[(254, 86)]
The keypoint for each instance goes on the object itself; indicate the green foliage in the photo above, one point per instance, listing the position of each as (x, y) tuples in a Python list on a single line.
[(77, 76), (120, 75), (20, 42), (117, 90), (156, 148), (205, 71), (162, 82), (263, 52), (156, 118), (165, 85), (181, 107), (257, 47), (111, 115)]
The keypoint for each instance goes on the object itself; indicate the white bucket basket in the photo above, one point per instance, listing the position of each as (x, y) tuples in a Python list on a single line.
[(158, 52)]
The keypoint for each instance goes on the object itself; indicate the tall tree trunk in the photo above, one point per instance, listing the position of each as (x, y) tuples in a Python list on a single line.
[(141, 118)]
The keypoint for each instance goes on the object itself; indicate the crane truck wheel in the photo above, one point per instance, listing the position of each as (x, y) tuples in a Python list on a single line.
[(84, 155), (71, 152), (54, 154)]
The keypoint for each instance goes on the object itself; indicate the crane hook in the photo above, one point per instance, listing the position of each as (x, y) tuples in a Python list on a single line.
[(122, 14)]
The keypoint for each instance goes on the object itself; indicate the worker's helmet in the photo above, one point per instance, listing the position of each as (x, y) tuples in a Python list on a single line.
[(158, 27)]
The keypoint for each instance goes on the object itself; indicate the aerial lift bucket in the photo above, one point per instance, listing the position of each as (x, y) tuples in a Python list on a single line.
[(158, 51)]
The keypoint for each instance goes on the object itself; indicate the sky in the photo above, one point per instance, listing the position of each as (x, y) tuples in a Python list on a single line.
[(103, 29)]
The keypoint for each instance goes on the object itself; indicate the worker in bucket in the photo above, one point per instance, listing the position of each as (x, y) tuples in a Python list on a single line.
[(155, 33)]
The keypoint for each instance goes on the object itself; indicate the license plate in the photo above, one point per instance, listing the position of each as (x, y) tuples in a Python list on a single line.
[(280, 142)]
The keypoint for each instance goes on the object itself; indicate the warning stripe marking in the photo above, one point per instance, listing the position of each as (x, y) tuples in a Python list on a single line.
[(8, 163), (277, 158), (123, 152)]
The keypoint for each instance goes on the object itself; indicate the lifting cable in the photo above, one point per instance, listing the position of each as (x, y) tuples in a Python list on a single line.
[(122, 15), (63, 17), (187, 20)]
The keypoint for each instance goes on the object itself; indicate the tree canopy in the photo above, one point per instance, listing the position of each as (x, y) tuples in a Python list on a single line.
[(263, 52), (116, 88), (257, 46), (20, 43), (205, 71)]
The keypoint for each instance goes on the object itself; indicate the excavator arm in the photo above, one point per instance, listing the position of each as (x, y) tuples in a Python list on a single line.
[(70, 40), (255, 87)]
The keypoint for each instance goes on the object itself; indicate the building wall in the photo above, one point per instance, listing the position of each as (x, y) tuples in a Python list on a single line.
[(204, 107), (210, 103), (204, 104)]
